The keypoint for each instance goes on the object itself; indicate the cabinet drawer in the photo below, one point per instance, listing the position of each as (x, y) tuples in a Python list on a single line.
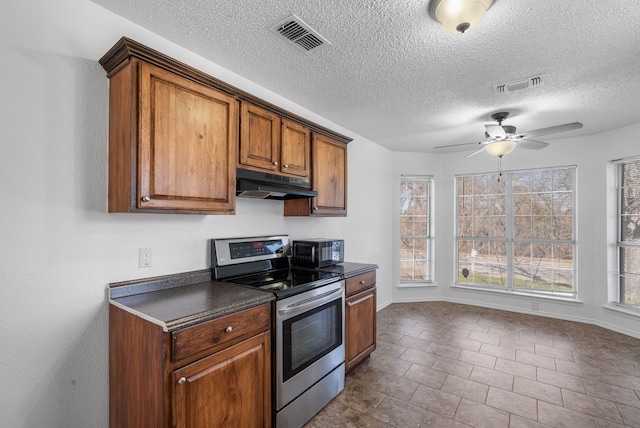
[(360, 282), (212, 333)]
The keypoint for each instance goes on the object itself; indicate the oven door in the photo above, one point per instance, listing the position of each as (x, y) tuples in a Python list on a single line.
[(309, 339)]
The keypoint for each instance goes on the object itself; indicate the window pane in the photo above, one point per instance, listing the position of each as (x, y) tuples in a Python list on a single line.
[(630, 228), (629, 233), (415, 228), (630, 290), (539, 214), (522, 227)]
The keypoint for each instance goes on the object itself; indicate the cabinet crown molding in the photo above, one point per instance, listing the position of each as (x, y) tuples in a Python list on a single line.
[(127, 48)]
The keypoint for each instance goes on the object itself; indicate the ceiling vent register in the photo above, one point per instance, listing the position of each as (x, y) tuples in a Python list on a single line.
[(299, 33), (518, 85)]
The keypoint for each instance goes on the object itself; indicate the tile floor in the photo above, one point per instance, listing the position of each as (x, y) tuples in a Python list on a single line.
[(449, 365)]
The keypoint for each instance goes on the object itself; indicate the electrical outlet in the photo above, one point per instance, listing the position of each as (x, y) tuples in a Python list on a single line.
[(144, 256)]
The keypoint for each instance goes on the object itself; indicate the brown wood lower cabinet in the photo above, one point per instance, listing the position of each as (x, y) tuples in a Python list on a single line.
[(360, 318), (227, 389), (213, 374)]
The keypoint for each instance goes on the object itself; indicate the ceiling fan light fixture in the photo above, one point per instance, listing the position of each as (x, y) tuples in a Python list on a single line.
[(501, 147), (459, 16)]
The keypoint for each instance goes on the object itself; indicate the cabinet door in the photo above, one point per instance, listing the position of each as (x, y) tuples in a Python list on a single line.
[(187, 144), (295, 154), (231, 388), (328, 178), (259, 138), (360, 327), (329, 175)]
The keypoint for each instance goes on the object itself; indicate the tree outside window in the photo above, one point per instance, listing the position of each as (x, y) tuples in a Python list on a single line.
[(628, 241), (517, 233), (416, 238)]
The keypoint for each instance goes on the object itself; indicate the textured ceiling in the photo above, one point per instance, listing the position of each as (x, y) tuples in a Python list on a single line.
[(395, 76)]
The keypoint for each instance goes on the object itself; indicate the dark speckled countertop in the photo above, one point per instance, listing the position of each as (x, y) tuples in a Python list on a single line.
[(180, 300), (348, 269)]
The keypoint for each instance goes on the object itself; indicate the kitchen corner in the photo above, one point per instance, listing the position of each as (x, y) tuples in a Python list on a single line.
[(191, 346)]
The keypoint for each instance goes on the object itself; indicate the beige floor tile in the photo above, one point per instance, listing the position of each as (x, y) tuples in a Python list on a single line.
[(536, 360), (562, 380), (559, 417), (454, 367), (399, 413), (538, 390), (435, 400), (593, 406), (419, 357), (498, 351), (480, 415), (426, 376), (513, 403), (515, 368), (478, 359), (448, 365), (395, 386), (466, 388), (492, 377)]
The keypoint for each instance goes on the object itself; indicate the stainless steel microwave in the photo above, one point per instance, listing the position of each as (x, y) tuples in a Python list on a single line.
[(316, 253)]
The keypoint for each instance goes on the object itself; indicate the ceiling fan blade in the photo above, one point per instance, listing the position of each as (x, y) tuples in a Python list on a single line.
[(551, 130), (532, 144), (457, 147), (475, 152), (495, 131)]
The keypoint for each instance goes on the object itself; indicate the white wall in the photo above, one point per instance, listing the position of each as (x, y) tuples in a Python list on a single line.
[(592, 156), (60, 248)]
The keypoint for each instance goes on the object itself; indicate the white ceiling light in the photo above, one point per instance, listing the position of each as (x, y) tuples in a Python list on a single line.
[(501, 147), (459, 16)]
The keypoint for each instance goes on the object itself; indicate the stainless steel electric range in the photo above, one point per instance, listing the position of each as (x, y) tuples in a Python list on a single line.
[(309, 349)]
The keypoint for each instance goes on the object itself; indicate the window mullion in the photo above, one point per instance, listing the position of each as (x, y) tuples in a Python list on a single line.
[(509, 226)]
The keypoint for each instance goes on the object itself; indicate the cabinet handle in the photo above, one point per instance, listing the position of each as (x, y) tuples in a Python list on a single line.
[(362, 282), (315, 208), (228, 329), (146, 199), (286, 166), (182, 380), (359, 300), (275, 163)]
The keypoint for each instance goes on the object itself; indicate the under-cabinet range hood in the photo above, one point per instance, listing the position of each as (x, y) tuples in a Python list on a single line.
[(264, 185)]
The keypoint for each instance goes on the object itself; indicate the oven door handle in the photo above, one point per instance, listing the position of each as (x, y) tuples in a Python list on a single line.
[(302, 306)]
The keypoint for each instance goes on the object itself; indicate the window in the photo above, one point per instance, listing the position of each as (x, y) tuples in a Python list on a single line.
[(416, 239), (628, 236), (516, 231)]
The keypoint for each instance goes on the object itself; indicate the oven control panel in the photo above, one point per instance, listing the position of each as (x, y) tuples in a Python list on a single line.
[(241, 250), (232, 251)]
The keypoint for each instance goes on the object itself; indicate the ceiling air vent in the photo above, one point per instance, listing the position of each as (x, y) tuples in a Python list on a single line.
[(518, 85), (298, 33)]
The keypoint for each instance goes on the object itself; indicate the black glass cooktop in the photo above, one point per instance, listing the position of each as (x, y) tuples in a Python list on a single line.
[(286, 281)]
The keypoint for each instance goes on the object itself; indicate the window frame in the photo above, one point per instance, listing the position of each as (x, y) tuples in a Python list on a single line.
[(429, 238), (510, 239), (621, 244)]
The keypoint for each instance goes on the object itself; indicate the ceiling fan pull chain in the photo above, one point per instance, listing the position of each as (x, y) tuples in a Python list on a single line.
[(499, 168)]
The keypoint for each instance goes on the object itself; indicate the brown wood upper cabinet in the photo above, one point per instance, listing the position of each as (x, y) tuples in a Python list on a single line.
[(269, 143), (172, 143), (328, 178), (174, 134)]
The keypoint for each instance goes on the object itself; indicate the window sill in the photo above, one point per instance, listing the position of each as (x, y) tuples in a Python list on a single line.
[(428, 284), (622, 310), (544, 297)]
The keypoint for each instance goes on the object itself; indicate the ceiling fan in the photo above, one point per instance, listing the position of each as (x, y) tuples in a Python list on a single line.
[(503, 139)]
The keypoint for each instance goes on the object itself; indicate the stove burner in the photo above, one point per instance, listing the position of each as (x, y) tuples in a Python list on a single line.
[(285, 281)]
